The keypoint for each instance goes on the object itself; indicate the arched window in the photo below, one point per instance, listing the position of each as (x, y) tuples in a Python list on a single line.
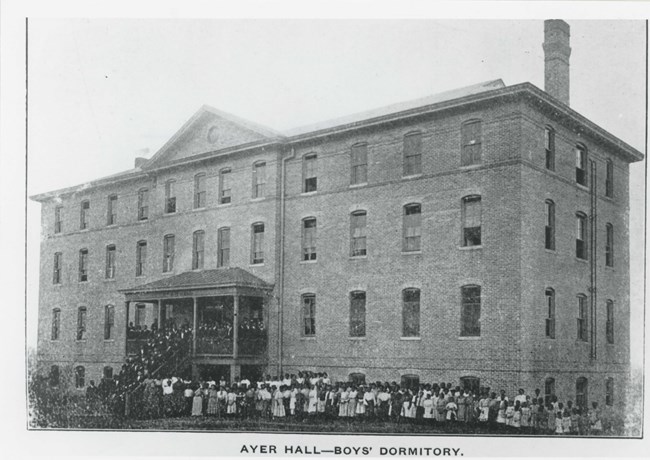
[(169, 243), (582, 318), (411, 312), (550, 313), (472, 220), (170, 196), (609, 324), (58, 263), (609, 179), (257, 245), (143, 204), (225, 186), (357, 314), (55, 375), (199, 191), (83, 214), (223, 247), (549, 147), (471, 384), (357, 378), (111, 213), (58, 219), (609, 245), (582, 392), (109, 321), (83, 264), (309, 238), (81, 323), (470, 314), (359, 164), (110, 261), (56, 324), (471, 139), (581, 164), (198, 246), (410, 381), (412, 227), (581, 236), (140, 258), (609, 391), (413, 154), (358, 234), (259, 179), (549, 231), (79, 377)]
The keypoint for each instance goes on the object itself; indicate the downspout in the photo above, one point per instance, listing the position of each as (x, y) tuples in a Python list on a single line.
[(593, 265), (281, 268)]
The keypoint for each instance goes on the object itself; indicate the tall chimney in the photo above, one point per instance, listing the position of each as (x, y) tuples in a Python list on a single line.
[(556, 59)]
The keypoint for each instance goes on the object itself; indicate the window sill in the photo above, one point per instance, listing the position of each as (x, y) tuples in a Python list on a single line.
[(202, 208), (412, 176), (57, 285), (471, 248), (582, 187), (472, 337), (109, 280), (169, 273), (109, 340), (309, 193), (550, 251), (410, 253), (168, 214), (84, 229), (472, 166), (142, 221), (55, 340), (81, 340), (111, 225), (307, 262), (582, 261), (359, 257), (224, 205), (261, 264), (357, 338), (259, 198), (610, 268), (82, 282), (410, 339), (308, 337), (360, 184), (140, 276)]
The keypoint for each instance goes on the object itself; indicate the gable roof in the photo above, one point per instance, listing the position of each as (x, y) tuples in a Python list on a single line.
[(214, 278)]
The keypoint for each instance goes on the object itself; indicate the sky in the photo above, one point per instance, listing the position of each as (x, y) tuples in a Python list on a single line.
[(101, 90)]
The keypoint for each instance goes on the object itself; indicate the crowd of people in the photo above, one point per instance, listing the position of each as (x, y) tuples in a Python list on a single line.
[(309, 395)]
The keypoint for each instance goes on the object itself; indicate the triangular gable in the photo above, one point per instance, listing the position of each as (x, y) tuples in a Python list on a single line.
[(210, 130)]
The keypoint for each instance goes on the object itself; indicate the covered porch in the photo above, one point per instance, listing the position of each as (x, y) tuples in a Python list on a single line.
[(217, 318)]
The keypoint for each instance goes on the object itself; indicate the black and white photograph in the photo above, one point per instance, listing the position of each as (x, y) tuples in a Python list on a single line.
[(397, 235)]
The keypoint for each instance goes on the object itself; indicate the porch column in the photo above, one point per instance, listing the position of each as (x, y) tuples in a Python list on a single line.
[(160, 324), (195, 322), (235, 326), (126, 321)]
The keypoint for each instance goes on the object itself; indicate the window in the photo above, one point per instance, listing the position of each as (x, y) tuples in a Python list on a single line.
[(199, 191), (410, 381), (582, 396), (109, 321), (470, 315), (56, 324), (609, 246), (549, 389), (55, 375), (259, 179), (140, 315), (140, 258), (198, 242), (412, 227), (83, 214), (58, 261), (110, 261), (170, 196), (168, 253), (309, 239), (550, 313), (471, 220), (309, 172), (581, 236), (257, 247), (223, 247), (58, 219), (358, 234), (359, 164), (581, 165), (308, 314), (471, 143), (609, 325), (81, 323), (411, 312), (549, 147), (83, 265), (609, 179), (108, 373), (549, 241), (143, 204), (111, 215), (357, 378), (225, 192), (357, 314), (582, 318), (471, 383), (609, 391), (412, 154), (79, 377)]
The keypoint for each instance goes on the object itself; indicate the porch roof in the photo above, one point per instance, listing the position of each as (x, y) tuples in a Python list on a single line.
[(233, 277)]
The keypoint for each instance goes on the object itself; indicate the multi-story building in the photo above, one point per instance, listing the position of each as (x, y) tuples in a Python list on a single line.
[(477, 236)]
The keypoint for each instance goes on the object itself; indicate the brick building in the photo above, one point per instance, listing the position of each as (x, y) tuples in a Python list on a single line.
[(476, 236)]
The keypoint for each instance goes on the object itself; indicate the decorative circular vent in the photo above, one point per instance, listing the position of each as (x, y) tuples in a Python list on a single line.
[(213, 135)]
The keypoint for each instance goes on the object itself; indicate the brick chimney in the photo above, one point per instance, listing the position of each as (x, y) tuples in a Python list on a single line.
[(556, 59)]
